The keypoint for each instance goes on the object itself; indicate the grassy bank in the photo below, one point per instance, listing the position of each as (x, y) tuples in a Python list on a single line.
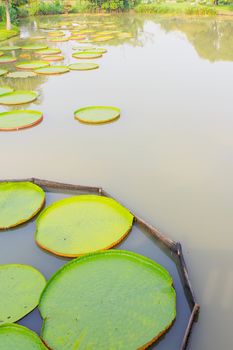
[(7, 34), (177, 9)]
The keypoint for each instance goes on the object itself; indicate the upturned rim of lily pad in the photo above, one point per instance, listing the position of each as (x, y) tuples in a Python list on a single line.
[(102, 121), (81, 66), (86, 55), (33, 95), (32, 65), (12, 327), (7, 114), (34, 47), (7, 59), (54, 70)]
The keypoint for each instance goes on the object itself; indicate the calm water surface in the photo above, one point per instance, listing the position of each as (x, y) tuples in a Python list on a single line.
[(168, 158)]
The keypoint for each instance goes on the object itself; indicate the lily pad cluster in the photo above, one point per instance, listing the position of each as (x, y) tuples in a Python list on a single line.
[(133, 299)]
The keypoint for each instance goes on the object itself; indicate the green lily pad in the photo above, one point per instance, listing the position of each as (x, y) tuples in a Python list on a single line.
[(107, 300), (7, 59), (18, 97), (49, 51), (37, 37), (23, 74), (84, 48), (9, 48), (82, 224), (34, 47), (52, 70), (15, 337), (97, 114), (83, 66), (86, 55), (51, 58), (1, 53), (19, 202), (19, 119), (5, 89), (21, 287), (32, 65), (103, 38), (58, 40), (3, 71)]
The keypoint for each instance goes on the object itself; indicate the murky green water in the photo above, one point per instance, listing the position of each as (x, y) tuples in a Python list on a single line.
[(168, 158)]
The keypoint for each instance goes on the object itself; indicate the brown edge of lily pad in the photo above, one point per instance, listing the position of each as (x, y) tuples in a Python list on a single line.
[(38, 121), (174, 247), (79, 255)]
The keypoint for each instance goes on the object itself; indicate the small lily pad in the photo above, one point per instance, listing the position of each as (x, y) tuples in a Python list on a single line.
[(82, 224), (34, 47), (21, 287), (56, 33), (23, 74), (52, 70), (58, 40), (86, 55), (32, 65), (5, 89), (18, 97), (19, 119), (15, 337), (51, 58), (121, 294), (97, 114), (7, 59), (9, 48), (49, 51), (83, 66), (3, 71), (19, 202)]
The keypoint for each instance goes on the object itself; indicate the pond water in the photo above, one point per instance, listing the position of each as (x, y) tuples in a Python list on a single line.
[(168, 158)]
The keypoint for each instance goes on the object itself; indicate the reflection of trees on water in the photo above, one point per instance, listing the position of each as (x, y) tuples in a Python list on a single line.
[(211, 38)]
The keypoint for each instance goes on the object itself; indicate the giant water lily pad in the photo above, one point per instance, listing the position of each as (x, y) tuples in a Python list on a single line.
[(15, 337), (32, 65), (82, 224), (58, 40), (49, 51), (51, 58), (19, 119), (52, 70), (97, 114), (18, 97), (23, 74), (107, 300), (19, 202), (7, 59), (56, 34), (34, 47), (5, 90), (3, 71), (83, 66), (21, 287), (9, 48), (86, 55)]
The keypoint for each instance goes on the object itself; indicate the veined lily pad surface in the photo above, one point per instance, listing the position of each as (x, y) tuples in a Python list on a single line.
[(7, 59), (15, 337), (97, 114), (18, 97), (49, 51), (83, 66), (82, 224), (86, 55), (5, 89), (19, 202), (3, 71), (34, 47), (32, 65), (52, 70), (21, 287), (22, 74), (19, 119), (107, 300)]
